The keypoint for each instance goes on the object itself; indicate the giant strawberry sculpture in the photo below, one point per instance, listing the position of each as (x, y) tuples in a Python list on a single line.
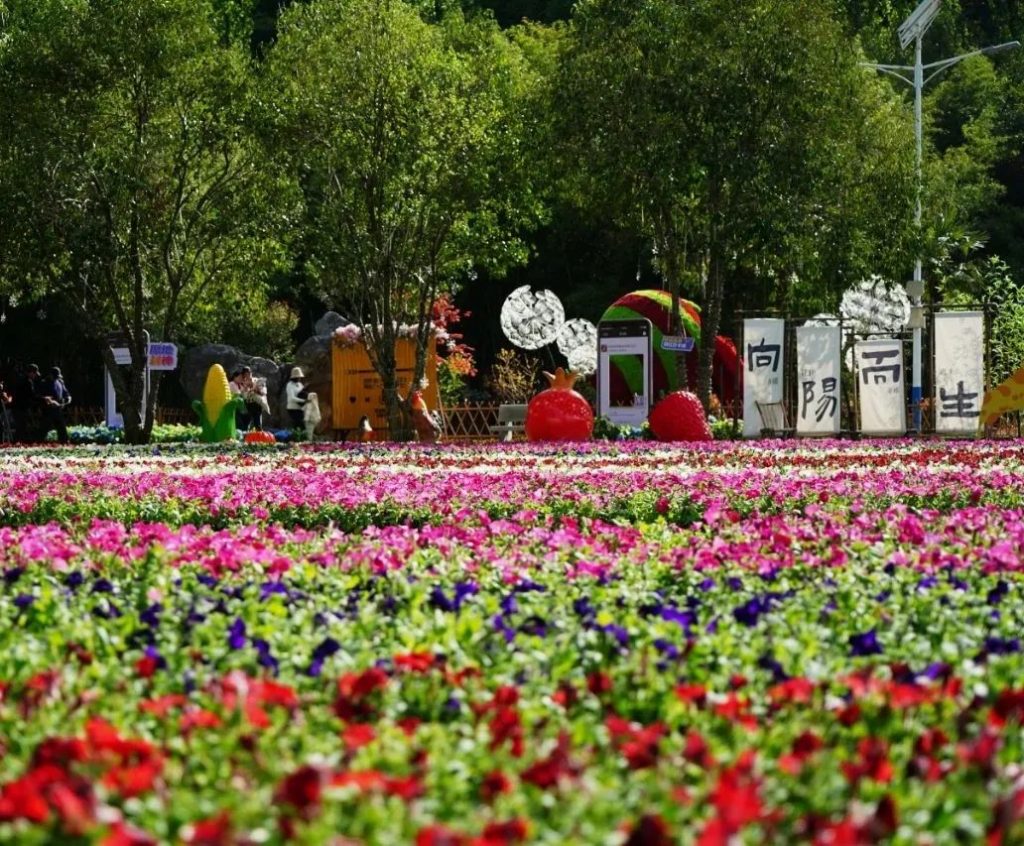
[(559, 413), (680, 417)]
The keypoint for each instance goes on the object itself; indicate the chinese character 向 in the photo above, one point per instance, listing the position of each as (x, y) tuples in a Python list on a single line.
[(763, 355)]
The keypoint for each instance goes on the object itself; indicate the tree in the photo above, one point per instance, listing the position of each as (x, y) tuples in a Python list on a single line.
[(735, 141), (128, 182), (407, 145)]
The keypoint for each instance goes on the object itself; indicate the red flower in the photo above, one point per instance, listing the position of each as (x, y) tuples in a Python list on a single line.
[(737, 796), (415, 662), (121, 834), (599, 683), (215, 831), (547, 772), (873, 762), (301, 790), (146, 666), (134, 779), (803, 747), (353, 691), (505, 726), (439, 835), (406, 788), (493, 784), (650, 830), (797, 691), (358, 735), (161, 705), (503, 833), (697, 751), (198, 718), (692, 694), (60, 751)]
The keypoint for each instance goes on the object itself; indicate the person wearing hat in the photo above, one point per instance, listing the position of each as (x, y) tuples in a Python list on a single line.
[(26, 405), (295, 398), (54, 395)]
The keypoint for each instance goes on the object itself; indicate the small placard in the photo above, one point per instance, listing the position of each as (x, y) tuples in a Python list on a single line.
[(677, 343)]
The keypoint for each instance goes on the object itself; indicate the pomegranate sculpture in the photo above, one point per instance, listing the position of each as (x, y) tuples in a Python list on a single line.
[(680, 417), (559, 413)]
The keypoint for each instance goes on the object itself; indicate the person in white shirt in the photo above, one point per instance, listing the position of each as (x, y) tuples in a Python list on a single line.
[(295, 396)]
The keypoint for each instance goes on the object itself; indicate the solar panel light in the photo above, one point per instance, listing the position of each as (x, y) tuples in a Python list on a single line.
[(918, 22)]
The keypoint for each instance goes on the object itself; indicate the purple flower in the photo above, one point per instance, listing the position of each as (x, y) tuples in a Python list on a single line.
[(324, 650), (509, 604), (263, 656), (236, 634), (1000, 646), (464, 590), (667, 648), (684, 619), (268, 589), (706, 585), (102, 586), (998, 593), (617, 632), (498, 621), (74, 580), (438, 599), (750, 611), (154, 653), (534, 625), (865, 643), (151, 616), (927, 583), (23, 600), (12, 575)]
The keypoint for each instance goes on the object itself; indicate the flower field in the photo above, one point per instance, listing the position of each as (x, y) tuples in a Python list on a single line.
[(775, 643)]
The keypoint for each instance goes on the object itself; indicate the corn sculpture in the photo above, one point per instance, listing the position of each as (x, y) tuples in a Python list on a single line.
[(217, 408)]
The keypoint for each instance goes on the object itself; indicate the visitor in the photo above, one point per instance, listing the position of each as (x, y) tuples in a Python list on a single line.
[(54, 396), (26, 405), (295, 398), (6, 421), (241, 378)]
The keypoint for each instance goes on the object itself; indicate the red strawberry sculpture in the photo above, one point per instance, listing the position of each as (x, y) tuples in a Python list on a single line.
[(680, 417), (559, 413)]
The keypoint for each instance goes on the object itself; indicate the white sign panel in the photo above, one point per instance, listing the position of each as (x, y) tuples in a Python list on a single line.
[(959, 371), (818, 380), (624, 371), (163, 356), (881, 386), (763, 343)]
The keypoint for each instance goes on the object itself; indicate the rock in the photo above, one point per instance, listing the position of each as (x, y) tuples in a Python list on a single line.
[(196, 361), (329, 322)]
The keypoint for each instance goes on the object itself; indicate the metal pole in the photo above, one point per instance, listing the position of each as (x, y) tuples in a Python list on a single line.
[(916, 391)]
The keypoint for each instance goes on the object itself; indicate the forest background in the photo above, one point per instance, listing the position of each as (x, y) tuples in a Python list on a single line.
[(225, 170)]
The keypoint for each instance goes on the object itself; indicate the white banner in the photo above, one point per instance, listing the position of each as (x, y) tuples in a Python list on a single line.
[(818, 380), (881, 386), (959, 371), (763, 344)]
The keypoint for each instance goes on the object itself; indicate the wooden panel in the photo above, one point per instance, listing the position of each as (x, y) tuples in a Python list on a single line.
[(356, 388)]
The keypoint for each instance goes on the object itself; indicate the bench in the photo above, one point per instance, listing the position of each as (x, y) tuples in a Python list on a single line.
[(511, 421), (774, 420)]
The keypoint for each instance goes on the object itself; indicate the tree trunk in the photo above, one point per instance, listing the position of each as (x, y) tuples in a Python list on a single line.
[(711, 318)]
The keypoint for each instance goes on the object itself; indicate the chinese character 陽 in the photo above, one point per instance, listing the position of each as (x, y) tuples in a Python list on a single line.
[(828, 401)]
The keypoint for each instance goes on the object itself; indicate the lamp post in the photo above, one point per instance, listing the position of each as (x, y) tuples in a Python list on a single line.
[(913, 30)]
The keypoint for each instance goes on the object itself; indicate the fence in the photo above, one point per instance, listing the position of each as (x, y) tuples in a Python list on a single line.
[(86, 415)]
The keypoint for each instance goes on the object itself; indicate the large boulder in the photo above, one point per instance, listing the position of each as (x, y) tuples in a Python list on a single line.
[(196, 361), (329, 322)]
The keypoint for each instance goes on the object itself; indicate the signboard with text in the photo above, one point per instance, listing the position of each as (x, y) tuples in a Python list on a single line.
[(818, 380), (881, 386), (763, 368), (959, 371)]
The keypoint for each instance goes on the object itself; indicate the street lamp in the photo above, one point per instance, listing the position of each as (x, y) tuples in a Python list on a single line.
[(913, 29)]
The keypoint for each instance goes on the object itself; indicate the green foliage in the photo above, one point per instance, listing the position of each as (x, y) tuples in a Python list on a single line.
[(408, 153), (129, 182)]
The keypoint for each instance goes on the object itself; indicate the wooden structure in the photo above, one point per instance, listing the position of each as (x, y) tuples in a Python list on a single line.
[(356, 389)]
